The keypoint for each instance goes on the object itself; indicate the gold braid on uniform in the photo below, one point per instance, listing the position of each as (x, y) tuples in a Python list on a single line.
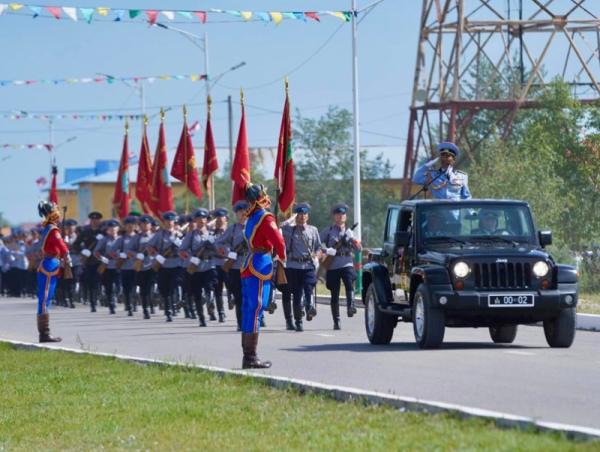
[(52, 218)]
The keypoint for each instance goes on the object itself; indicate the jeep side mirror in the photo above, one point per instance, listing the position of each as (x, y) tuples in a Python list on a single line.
[(401, 239), (545, 238)]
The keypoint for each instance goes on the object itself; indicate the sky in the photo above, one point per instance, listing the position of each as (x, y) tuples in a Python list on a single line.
[(315, 56)]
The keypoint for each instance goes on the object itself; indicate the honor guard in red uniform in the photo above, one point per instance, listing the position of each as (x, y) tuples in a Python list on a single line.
[(263, 238), (55, 253)]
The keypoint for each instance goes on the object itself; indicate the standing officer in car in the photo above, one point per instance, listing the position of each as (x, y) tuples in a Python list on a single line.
[(444, 182), (303, 246)]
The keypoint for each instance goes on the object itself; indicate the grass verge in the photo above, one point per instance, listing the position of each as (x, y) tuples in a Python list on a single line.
[(589, 303), (62, 401)]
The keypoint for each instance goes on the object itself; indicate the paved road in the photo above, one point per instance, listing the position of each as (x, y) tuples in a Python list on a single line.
[(526, 378)]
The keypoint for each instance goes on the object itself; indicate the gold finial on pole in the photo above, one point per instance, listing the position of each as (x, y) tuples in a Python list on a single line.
[(162, 114), (286, 85), (242, 96), (126, 125), (184, 112), (145, 120)]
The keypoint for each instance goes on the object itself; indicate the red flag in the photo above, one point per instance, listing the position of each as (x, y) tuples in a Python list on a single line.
[(121, 195), (143, 183), (184, 163), (53, 193), (284, 163), (240, 170), (162, 194), (210, 165)]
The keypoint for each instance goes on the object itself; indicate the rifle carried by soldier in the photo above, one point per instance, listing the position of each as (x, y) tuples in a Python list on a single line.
[(67, 270), (160, 258), (328, 259)]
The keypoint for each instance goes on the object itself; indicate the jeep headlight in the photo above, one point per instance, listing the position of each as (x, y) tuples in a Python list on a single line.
[(461, 269), (540, 269)]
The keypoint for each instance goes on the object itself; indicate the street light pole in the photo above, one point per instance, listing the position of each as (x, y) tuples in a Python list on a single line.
[(211, 194), (230, 121), (355, 111)]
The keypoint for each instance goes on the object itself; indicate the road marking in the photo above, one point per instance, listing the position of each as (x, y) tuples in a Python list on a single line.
[(324, 335), (515, 352)]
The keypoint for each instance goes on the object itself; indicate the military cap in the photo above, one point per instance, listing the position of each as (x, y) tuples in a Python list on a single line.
[(201, 213), (340, 208), (302, 207), (255, 192), (169, 216), (190, 218), (154, 222), (220, 212), (70, 222), (240, 205), (112, 223), (135, 213), (447, 146), (130, 220), (146, 219), (182, 219), (95, 215)]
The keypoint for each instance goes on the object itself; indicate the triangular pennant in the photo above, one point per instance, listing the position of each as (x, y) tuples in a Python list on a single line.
[(312, 15), (103, 10), (234, 12), (169, 14), (87, 14), (119, 13), (263, 16), (186, 14), (299, 16), (70, 12), (15, 6), (54, 10), (133, 13), (152, 16), (247, 15), (289, 16), (277, 17), (36, 10), (201, 15), (339, 15)]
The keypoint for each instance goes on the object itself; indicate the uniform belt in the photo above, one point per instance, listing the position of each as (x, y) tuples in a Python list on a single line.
[(261, 249), (301, 259), (55, 256), (344, 254)]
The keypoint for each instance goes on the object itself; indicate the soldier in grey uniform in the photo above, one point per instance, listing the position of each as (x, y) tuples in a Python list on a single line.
[(221, 216), (106, 252), (126, 250), (145, 276), (198, 246), (234, 244), (303, 246), (68, 285), (85, 244), (339, 242), (163, 246)]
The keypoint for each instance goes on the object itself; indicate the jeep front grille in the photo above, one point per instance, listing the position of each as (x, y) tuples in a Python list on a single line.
[(512, 275)]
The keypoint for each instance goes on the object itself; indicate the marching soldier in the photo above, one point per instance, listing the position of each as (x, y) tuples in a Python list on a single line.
[(34, 256), (198, 248), (235, 245), (221, 217), (340, 243), (126, 250), (107, 253), (68, 285), (444, 182), (163, 247), (303, 246), (143, 265), (85, 244)]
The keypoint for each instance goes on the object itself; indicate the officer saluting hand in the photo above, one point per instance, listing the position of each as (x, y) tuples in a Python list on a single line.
[(446, 182)]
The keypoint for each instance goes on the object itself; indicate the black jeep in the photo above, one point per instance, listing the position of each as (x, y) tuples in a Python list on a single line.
[(475, 263)]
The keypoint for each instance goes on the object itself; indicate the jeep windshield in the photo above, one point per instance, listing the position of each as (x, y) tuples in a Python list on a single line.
[(505, 225)]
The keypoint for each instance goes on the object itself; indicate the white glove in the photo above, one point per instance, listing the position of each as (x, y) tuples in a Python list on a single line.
[(231, 255), (176, 242), (104, 260), (68, 260), (123, 255), (99, 237), (86, 253), (195, 261), (430, 163), (349, 234), (139, 256), (331, 251), (161, 260)]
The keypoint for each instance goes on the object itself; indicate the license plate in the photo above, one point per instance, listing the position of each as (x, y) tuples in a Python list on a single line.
[(511, 300)]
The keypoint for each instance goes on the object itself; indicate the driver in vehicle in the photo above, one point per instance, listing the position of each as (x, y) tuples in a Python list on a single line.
[(488, 224), (435, 225)]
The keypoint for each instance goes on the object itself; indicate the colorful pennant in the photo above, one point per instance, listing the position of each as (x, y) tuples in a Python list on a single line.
[(48, 147), (152, 15), (111, 117), (103, 79)]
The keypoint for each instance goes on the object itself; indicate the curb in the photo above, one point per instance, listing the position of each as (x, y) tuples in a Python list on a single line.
[(347, 394), (585, 322)]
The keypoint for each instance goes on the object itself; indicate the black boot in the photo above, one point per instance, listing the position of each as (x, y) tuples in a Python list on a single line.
[(201, 319), (262, 322), (146, 314), (289, 325), (221, 317), (299, 326), (335, 314), (43, 324), (250, 360), (350, 305)]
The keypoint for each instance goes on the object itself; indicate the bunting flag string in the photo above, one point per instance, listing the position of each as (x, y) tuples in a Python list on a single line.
[(103, 79), (153, 15), (53, 117), (48, 147)]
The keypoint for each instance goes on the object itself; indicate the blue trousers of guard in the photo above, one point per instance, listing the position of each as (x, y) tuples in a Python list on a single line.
[(255, 298), (47, 278)]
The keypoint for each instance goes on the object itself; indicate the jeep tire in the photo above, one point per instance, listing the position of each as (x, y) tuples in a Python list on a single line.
[(503, 334), (379, 325), (428, 322), (560, 331)]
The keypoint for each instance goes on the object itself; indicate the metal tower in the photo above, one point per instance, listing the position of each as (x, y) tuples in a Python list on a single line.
[(475, 57)]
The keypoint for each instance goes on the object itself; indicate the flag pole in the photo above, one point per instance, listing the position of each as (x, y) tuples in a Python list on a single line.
[(185, 154), (211, 187)]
